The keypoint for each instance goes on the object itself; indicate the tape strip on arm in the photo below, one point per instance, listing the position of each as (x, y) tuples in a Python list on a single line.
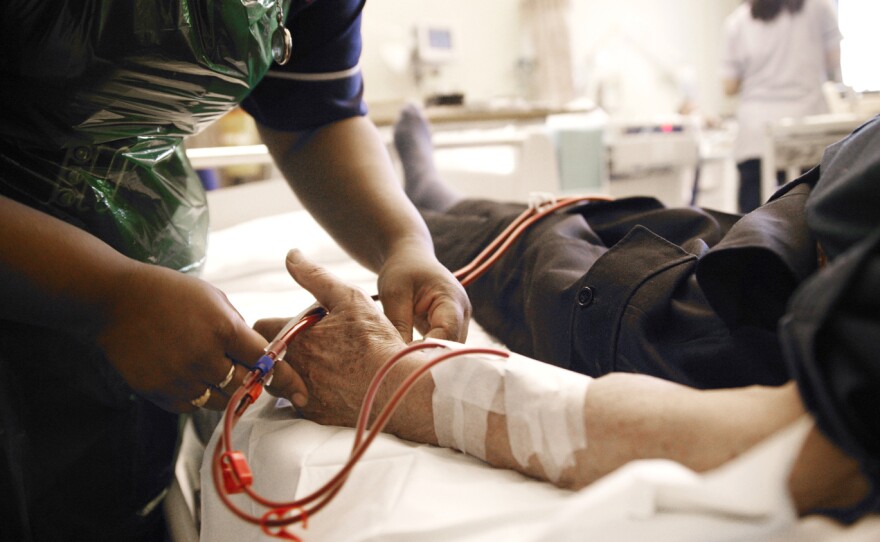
[(543, 407)]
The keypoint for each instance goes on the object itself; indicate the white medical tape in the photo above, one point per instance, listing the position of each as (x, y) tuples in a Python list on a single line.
[(545, 413), (465, 391), (543, 406)]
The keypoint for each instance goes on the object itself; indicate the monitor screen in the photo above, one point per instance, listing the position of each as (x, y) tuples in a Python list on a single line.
[(434, 43), (440, 38)]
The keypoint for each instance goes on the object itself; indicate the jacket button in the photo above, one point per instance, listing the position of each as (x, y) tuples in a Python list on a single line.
[(585, 296)]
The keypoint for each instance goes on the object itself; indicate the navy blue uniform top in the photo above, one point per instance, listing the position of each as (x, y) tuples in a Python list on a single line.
[(322, 82)]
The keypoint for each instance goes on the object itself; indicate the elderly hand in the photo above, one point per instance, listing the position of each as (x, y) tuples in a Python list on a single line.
[(418, 291), (172, 337), (339, 355)]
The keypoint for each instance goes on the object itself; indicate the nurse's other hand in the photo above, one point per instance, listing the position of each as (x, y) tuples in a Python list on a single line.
[(416, 290), (172, 337), (338, 356)]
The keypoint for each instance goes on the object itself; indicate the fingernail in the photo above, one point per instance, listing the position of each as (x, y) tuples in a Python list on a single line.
[(294, 256), (299, 400)]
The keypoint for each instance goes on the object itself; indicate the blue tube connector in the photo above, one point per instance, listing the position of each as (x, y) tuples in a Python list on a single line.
[(264, 364)]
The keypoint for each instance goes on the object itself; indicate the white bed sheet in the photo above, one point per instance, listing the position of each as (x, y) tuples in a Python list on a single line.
[(405, 491)]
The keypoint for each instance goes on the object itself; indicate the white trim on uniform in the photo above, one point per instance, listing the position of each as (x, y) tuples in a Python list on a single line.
[(325, 76)]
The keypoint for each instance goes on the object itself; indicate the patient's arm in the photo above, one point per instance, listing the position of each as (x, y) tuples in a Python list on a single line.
[(625, 416)]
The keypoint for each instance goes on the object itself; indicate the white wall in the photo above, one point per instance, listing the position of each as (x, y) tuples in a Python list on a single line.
[(648, 50), (486, 34), (649, 43)]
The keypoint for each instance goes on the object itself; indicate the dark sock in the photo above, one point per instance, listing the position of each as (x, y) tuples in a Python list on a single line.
[(412, 139)]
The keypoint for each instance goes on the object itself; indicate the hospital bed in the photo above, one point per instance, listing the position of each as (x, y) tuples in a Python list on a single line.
[(405, 491), (796, 145), (513, 156), (488, 157)]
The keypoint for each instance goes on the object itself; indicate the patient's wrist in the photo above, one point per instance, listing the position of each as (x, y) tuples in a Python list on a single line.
[(413, 419)]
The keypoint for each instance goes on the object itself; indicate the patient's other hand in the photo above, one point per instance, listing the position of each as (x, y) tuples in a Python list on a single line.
[(338, 356)]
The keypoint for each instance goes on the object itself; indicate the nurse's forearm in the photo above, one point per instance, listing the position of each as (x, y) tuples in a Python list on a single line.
[(343, 175), (52, 273)]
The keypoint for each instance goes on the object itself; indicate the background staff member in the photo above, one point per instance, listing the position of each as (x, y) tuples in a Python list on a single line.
[(776, 56)]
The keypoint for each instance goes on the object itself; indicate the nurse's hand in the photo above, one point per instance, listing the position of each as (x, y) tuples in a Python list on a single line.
[(173, 337), (339, 355), (417, 291)]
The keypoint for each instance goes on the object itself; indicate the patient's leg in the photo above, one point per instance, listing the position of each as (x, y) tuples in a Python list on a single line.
[(412, 138)]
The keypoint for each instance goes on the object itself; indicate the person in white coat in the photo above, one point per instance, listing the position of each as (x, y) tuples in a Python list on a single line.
[(777, 55)]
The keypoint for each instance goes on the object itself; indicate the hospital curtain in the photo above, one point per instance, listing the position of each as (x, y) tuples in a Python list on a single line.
[(547, 25)]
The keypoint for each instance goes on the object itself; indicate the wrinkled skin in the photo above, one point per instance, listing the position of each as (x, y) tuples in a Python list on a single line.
[(336, 357)]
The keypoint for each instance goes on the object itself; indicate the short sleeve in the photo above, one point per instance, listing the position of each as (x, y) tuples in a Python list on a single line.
[(322, 82), (731, 63), (830, 26)]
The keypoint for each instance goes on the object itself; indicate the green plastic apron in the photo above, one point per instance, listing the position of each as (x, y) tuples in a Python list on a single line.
[(94, 116), (95, 101)]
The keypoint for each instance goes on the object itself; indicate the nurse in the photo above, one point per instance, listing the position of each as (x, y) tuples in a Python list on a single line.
[(776, 56), (106, 333)]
